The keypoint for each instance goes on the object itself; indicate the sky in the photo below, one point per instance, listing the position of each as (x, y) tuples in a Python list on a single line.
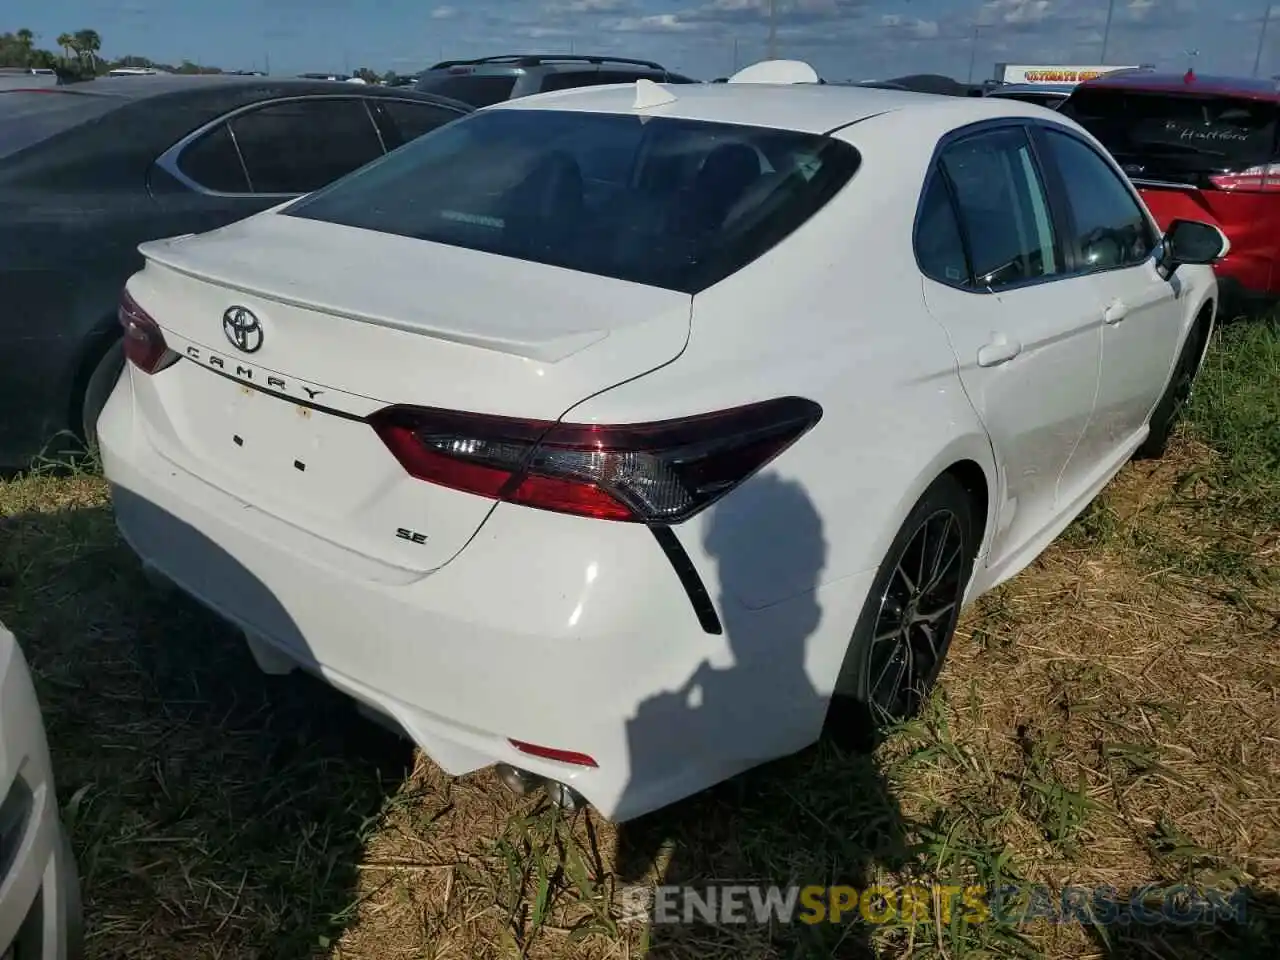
[(842, 39)]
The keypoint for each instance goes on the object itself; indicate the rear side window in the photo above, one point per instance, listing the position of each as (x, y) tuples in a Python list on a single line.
[(297, 146), (939, 244), (671, 203), (405, 120), (1004, 208), (214, 163), (477, 89), (1177, 137)]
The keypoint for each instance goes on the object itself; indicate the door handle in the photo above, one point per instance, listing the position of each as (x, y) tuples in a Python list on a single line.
[(998, 351), (1116, 311)]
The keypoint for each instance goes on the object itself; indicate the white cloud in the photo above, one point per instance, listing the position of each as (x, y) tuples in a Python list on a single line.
[(588, 6), (444, 13), (658, 23)]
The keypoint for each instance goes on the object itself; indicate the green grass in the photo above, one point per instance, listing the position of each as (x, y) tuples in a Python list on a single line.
[(1108, 717)]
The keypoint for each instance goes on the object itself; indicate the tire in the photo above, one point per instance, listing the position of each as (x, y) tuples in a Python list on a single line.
[(97, 389), (1173, 403), (937, 539)]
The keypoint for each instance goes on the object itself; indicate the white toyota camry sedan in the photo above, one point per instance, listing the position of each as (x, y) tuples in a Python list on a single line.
[(40, 915), (628, 437)]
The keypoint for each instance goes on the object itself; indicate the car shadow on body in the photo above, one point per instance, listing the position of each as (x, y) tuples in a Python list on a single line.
[(823, 816), (214, 811)]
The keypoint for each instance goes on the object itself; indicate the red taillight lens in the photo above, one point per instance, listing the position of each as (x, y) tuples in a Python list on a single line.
[(551, 753), (143, 340), (662, 472), (1264, 178)]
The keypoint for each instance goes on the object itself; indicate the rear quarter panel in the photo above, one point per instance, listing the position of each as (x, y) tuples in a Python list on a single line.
[(834, 314)]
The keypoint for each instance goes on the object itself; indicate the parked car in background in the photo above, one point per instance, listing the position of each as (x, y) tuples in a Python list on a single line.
[(490, 80), (1051, 95), (40, 906), (1204, 147), (21, 78), (594, 353), (88, 171)]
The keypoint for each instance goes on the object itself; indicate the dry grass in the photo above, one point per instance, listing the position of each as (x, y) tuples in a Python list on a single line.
[(1110, 717)]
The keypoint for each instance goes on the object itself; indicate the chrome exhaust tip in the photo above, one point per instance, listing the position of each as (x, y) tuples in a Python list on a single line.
[(519, 782), (564, 796)]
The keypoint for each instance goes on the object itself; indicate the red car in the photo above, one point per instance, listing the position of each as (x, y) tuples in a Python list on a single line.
[(1199, 148)]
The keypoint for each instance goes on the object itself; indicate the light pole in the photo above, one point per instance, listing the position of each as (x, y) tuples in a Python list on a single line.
[(1106, 30), (973, 47), (773, 29), (1262, 39)]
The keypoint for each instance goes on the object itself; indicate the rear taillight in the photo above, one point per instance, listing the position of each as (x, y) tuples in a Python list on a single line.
[(144, 344), (1264, 178), (661, 472)]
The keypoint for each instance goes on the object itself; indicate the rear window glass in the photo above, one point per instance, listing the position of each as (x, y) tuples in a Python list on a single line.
[(1177, 136), (27, 118), (671, 203), (476, 89)]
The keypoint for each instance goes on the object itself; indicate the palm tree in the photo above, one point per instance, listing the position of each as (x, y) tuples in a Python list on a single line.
[(26, 43), (68, 44), (88, 43)]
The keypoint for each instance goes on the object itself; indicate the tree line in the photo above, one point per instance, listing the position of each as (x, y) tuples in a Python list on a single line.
[(78, 56)]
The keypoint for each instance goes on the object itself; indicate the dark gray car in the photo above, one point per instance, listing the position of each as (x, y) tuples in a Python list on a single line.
[(88, 171), (490, 80)]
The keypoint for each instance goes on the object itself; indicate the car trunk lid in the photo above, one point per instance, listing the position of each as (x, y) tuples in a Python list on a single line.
[(344, 322)]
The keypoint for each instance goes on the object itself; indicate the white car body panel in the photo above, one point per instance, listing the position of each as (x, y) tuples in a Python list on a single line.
[(512, 622), (40, 887)]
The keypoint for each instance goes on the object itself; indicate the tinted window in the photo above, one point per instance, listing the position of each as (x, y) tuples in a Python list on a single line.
[(511, 182), (214, 163), (1004, 208), (1177, 138), (1110, 226), (568, 79), (939, 247), (301, 145), (26, 118), (404, 120), (476, 89)]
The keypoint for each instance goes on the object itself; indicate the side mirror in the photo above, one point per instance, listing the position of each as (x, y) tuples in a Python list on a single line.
[(1193, 242)]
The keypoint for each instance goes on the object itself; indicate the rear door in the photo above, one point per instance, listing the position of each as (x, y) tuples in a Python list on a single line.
[(1027, 333)]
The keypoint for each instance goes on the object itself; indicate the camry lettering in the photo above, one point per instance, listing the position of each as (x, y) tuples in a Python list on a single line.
[(248, 374)]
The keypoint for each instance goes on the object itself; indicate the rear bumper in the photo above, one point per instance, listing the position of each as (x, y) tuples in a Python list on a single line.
[(563, 632), (40, 906)]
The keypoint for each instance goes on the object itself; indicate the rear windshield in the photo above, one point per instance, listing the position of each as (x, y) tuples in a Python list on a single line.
[(27, 118), (1177, 137), (671, 203), (477, 89)]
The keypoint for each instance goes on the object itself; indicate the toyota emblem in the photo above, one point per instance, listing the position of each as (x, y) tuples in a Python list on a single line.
[(242, 329)]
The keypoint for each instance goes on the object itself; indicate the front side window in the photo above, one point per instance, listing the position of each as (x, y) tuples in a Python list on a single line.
[(1111, 229), (297, 146), (672, 203), (1004, 208)]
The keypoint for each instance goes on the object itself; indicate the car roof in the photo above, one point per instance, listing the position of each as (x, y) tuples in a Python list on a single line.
[(1146, 81), (1009, 89), (803, 107), (144, 87)]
